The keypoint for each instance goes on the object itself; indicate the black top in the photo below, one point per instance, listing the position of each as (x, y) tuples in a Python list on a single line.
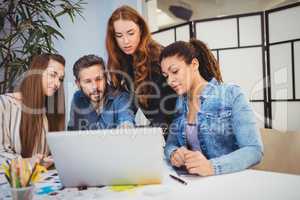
[(161, 107)]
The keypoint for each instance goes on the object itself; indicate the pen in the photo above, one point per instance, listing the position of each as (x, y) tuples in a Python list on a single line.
[(31, 174), (178, 179)]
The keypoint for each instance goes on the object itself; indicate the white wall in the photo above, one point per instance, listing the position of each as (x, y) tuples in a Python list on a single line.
[(86, 36)]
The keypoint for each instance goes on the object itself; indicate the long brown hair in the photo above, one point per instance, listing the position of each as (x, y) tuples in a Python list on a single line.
[(208, 66), (35, 104), (146, 54)]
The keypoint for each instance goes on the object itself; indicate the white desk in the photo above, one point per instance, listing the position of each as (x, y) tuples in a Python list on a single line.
[(248, 184)]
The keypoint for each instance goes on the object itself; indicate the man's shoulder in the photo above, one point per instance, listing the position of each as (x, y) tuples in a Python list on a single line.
[(78, 96), (115, 94), (118, 97)]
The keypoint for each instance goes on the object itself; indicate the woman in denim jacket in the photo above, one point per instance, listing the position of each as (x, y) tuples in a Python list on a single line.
[(214, 131)]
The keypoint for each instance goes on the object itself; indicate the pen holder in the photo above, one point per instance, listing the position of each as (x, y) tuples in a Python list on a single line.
[(23, 193)]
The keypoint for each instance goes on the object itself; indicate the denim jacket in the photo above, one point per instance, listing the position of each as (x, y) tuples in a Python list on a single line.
[(114, 113), (226, 126)]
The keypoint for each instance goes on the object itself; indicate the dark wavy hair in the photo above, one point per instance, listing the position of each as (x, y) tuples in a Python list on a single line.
[(208, 66), (86, 62)]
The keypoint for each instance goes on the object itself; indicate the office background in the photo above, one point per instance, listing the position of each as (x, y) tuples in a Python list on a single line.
[(260, 52), (257, 47), (86, 36)]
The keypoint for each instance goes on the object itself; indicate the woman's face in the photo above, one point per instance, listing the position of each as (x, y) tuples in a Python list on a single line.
[(127, 35), (52, 77), (179, 75)]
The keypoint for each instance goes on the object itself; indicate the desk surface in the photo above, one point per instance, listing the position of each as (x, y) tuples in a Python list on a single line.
[(248, 184)]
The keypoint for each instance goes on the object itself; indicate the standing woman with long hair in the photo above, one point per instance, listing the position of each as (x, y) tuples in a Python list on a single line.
[(36, 107), (133, 65)]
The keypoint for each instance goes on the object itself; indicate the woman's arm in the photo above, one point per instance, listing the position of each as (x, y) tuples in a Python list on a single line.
[(247, 135), (6, 134), (172, 143), (125, 115)]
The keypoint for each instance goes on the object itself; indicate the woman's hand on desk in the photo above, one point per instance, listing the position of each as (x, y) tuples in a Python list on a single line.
[(197, 163), (45, 161), (177, 157)]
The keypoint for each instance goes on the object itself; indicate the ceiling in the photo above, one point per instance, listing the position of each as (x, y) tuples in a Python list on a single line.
[(203, 9)]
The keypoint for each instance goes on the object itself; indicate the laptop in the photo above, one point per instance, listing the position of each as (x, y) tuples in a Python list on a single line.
[(108, 157)]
